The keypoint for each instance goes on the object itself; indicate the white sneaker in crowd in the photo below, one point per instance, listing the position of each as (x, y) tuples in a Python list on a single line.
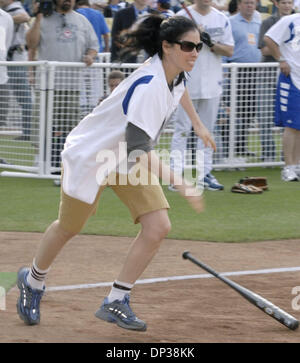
[(297, 170), (172, 188), (288, 174), (57, 182)]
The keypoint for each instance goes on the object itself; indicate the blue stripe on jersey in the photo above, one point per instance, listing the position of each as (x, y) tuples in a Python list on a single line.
[(142, 80), (292, 31)]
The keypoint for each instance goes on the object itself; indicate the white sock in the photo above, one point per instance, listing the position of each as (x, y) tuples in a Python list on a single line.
[(119, 290), (36, 277)]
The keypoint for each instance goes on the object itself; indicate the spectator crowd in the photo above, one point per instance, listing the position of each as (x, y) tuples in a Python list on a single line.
[(236, 31)]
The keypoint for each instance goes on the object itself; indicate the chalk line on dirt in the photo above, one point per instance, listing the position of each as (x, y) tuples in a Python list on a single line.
[(176, 278)]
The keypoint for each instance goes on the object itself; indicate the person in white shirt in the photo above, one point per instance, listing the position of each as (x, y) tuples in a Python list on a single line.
[(6, 36), (204, 84), (283, 41), (133, 116), (18, 75)]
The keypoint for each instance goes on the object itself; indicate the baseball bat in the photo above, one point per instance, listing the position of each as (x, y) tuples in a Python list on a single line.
[(182, 3), (266, 306)]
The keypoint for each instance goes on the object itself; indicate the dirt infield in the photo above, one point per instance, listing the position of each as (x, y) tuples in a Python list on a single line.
[(189, 310)]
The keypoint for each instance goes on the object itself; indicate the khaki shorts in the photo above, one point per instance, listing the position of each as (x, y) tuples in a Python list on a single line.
[(140, 200)]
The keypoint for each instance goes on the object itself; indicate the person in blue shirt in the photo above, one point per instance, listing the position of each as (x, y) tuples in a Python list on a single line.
[(245, 29), (98, 22)]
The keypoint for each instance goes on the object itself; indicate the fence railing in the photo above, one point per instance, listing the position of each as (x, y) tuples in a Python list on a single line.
[(43, 101)]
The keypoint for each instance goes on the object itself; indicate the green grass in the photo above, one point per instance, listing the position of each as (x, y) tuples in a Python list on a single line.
[(13, 151), (31, 205), (8, 280), (231, 217)]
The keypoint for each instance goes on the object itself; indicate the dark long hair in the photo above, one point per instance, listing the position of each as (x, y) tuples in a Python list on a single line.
[(148, 35)]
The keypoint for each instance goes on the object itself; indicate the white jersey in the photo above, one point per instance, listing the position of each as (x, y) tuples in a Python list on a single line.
[(143, 99), (286, 33), (6, 35), (20, 30), (205, 79)]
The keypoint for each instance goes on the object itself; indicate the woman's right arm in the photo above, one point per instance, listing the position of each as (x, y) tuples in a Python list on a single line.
[(198, 126)]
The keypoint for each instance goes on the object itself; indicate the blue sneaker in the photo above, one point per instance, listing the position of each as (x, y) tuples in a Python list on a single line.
[(120, 313), (28, 304), (211, 183)]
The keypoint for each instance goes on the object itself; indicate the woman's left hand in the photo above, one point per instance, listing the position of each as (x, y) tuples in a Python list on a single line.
[(206, 137), (198, 126)]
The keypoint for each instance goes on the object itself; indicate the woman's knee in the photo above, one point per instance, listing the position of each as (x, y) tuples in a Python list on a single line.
[(161, 230), (165, 228), (157, 227)]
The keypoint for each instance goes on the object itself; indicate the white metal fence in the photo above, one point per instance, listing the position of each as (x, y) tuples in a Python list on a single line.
[(43, 101)]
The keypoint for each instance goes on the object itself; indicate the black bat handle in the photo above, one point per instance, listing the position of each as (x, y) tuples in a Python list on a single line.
[(187, 256)]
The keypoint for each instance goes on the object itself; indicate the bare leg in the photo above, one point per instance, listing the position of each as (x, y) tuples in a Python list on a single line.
[(52, 242), (289, 144), (297, 146), (155, 227), (31, 285)]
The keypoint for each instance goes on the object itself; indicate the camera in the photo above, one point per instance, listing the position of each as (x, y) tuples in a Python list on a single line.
[(46, 7)]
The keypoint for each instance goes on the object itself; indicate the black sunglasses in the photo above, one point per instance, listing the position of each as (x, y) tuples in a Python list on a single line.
[(186, 46)]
